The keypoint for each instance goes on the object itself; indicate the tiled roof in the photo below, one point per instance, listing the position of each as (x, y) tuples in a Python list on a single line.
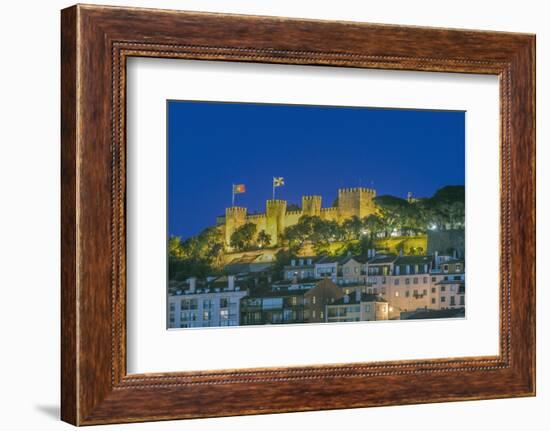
[(365, 297), (413, 260), (382, 258)]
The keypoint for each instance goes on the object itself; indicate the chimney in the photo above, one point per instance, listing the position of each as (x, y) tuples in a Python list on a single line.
[(192, 284), (358, 295), (230, 282)]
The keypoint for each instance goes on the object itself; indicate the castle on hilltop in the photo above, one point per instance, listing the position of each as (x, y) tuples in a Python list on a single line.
[(357, 201)]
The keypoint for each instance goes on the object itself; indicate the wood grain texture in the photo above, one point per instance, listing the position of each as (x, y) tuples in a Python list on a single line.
[(96, 41)]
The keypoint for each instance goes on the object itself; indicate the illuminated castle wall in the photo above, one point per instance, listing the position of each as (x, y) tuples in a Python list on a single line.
[(358, 201)]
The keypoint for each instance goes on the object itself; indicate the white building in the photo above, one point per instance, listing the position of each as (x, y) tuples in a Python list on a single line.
[(327, 267), (216, 304)]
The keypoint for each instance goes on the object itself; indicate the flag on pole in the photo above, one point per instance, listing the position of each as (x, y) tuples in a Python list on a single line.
[(236, 189), (239, 188), (278, 181)]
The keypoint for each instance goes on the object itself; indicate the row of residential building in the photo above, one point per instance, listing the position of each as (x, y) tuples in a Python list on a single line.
[(327, 289)]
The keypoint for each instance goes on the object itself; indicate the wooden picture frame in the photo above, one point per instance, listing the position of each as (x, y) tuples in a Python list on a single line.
[(95, 43)]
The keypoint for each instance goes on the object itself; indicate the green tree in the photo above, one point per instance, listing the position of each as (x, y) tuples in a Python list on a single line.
[(393, 212), (352, 228), (264, 239), (445, 209), (197, 256), (243, 237), (373, 224), (175, 248)]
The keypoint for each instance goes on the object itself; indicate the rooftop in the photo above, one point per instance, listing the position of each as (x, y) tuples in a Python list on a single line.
[(365, 297)]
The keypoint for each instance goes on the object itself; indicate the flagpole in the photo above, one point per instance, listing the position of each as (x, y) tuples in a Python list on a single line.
[(273, 184), (232, 195)]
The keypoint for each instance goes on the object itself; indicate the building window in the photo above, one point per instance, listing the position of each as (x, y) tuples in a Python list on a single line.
[(458, 267), (367, 308), (224, 302), (442, 288), (425, 280), (461, 300), (206, 315), (425, 292), (442, 299), (396, 294), (313, 300), (407, 294), (272, 303), (415, 293), (433, 300), (172, 306), (453, 300), (433, 289), (415, 280), (189, 304), (445, 268), (407, 281), (396, 282), (433, 279)]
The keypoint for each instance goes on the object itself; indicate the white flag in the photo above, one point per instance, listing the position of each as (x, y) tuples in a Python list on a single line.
[(278, 181)]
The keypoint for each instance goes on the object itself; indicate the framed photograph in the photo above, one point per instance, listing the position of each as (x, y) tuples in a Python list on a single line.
[(322, 214)]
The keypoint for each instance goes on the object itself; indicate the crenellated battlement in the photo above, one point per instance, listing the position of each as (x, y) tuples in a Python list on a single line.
[(352, 202), (311, 198), (255, 216), (235, 211), (355, 190), (311, 205)]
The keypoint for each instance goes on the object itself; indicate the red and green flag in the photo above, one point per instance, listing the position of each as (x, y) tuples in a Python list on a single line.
[(239, 188)]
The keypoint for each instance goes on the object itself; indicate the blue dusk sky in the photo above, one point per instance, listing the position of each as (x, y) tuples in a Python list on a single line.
[(317, 149)]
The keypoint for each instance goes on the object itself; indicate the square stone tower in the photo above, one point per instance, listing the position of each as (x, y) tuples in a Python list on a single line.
[(356, 201)]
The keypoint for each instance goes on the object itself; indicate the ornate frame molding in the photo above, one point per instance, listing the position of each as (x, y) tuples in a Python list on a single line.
[(96, 41)]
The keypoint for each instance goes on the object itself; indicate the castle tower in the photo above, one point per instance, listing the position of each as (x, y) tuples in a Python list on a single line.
[(275, 218), (357, 201), (235, 217), (311, 205)]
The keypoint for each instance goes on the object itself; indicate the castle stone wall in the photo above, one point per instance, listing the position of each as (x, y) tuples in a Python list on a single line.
[(275, 214), (311, 205), (357, 201), (235, 217)]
